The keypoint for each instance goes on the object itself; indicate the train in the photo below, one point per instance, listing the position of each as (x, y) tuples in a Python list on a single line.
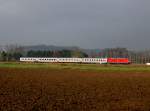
[(77, 60), (118, 60)]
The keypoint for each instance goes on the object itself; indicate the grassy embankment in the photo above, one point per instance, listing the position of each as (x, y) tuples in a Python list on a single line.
[(82, 67)]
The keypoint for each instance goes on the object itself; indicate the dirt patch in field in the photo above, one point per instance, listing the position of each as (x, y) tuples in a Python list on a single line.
[(72, 90)]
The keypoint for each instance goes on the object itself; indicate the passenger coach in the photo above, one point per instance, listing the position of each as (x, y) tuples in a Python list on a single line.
[(78, 60), (65, 60)]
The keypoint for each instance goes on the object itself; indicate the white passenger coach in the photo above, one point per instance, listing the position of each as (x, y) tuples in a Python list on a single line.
[(65, 60)]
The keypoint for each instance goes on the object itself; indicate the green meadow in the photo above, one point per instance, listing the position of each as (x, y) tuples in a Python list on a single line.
[(86, 67)]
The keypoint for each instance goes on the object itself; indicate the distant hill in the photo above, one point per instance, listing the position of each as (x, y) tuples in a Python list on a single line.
[(49, 47), (90, 52), (58, 48)]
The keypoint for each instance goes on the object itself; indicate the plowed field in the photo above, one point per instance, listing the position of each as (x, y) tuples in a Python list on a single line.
[(49, 89)]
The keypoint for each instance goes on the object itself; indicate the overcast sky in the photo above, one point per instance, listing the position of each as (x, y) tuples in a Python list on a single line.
[(83, 23)]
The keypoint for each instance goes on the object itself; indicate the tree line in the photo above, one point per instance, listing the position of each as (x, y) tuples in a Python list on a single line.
[(137, 57), (13, 53), (62, 53)]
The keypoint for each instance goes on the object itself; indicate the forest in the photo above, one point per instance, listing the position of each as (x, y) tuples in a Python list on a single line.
[(14, 52)]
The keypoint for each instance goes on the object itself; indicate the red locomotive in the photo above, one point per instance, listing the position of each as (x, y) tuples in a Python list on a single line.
[(118, 61)]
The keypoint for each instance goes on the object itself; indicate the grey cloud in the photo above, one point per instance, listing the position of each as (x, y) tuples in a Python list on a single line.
[(84, 23)]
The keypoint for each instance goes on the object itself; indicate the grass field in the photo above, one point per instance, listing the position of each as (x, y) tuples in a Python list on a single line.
[(83, 67), (74, 87)]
